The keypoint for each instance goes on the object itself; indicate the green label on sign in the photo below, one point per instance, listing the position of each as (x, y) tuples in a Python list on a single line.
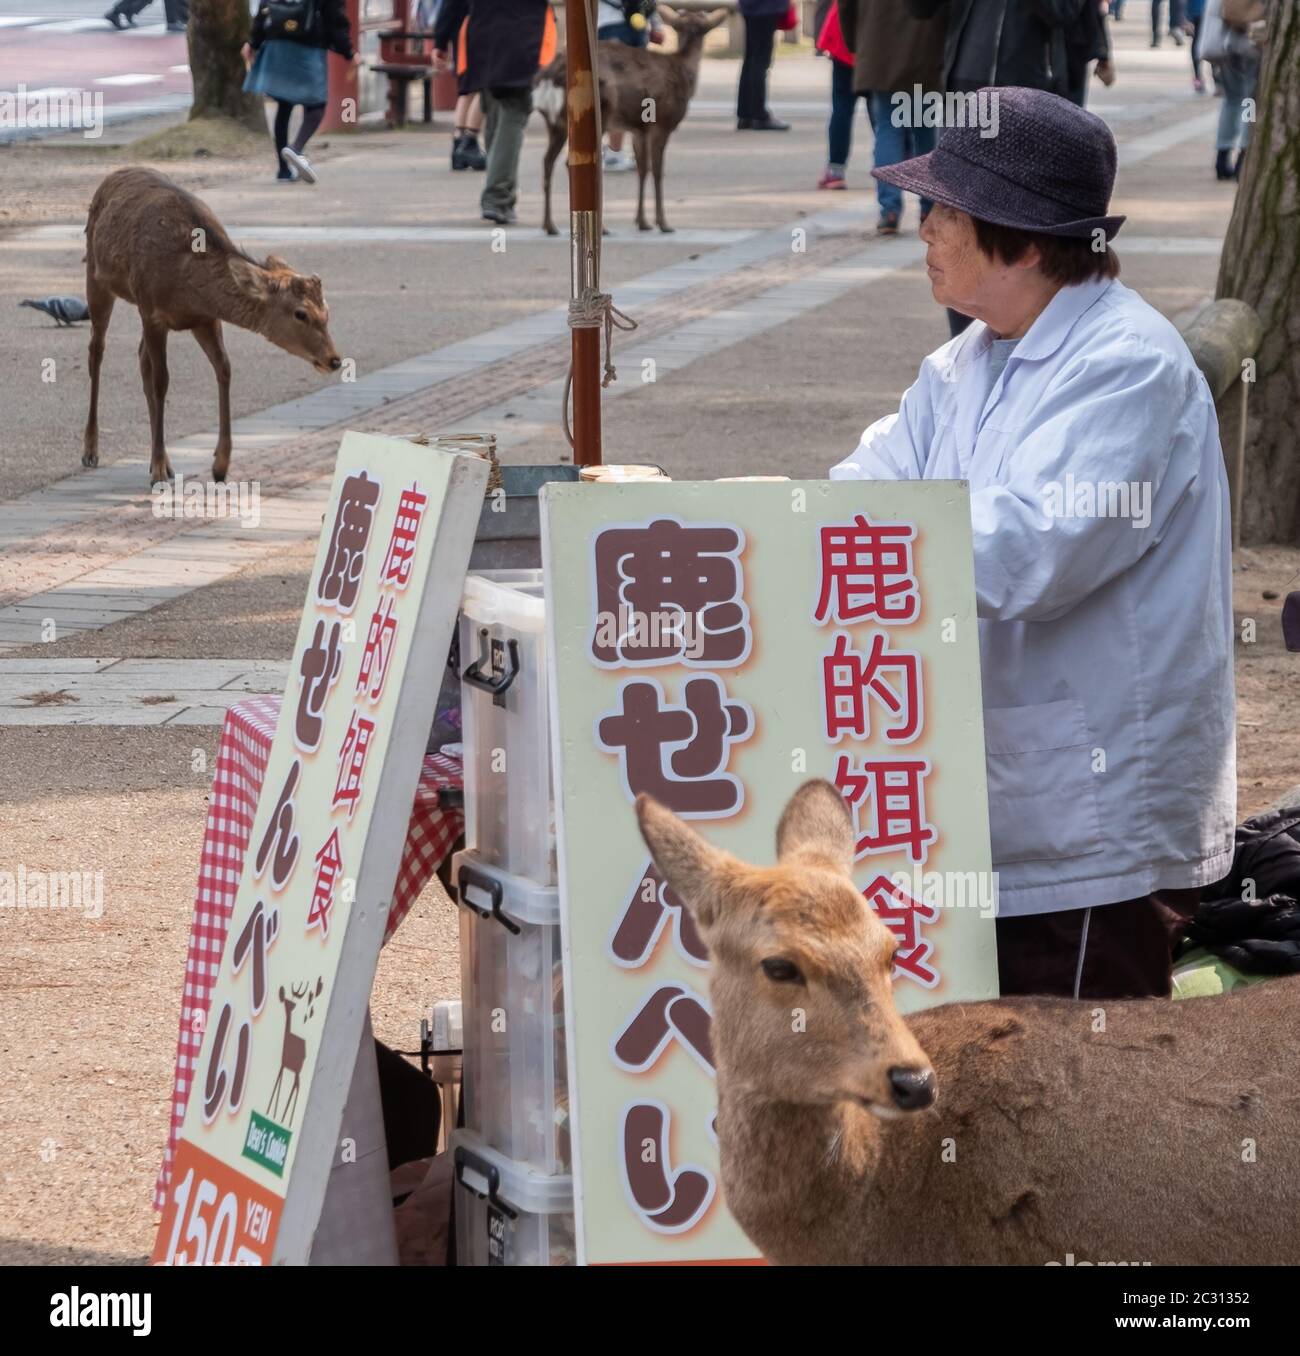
[(267, 1143)]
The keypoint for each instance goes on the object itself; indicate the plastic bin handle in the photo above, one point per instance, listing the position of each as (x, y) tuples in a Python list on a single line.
[(467, 1158), (470, 875), (503, 673)]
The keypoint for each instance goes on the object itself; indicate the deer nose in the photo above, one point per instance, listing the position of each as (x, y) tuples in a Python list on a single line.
[(913, 1088), (335, 364)]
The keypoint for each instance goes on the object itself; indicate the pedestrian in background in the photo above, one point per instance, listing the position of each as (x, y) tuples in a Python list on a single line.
[(762, 19), (1196, 18), (1176, 21), (635, 23), (1086, 41), (830, 43), (176, 13), (507, 40), (894, 54), (1003, 42), (1233, 50), (286, 49)]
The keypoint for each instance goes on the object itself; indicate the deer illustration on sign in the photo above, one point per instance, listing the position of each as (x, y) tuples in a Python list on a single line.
[(293, 1053)]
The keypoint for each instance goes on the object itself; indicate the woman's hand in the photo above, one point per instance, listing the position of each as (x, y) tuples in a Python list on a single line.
[(356, 58), (246, 51)]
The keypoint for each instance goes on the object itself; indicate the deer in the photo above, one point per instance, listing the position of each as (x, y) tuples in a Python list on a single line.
[(293, 1048), (643, 93), (152, 244), (1014, 1130)]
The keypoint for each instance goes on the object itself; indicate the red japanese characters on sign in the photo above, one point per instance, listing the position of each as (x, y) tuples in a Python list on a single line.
[(867, 574), (668, 593)]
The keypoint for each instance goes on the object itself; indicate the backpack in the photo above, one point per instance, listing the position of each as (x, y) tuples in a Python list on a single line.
[(288, 21)]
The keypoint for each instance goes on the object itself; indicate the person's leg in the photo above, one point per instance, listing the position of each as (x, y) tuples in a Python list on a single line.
[(889, 151), (1155, 22), (283, 112), (491, 116), (1111, 951), (1196, 52), (839, 131), (312, 116), (513, 107), (1234, 91), (747, 93), (766, 51), (921, 141)]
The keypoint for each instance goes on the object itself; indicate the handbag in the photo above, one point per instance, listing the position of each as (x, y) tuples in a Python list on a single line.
[(831, 39), (1242, 13), (288, 21), (789, 20)]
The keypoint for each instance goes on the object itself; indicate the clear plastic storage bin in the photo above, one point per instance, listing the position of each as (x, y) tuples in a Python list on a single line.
[(507, 1215), (509, 803), (512, 994)]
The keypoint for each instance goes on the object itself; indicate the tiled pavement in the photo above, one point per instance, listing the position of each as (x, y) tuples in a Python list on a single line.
[(87, 550)]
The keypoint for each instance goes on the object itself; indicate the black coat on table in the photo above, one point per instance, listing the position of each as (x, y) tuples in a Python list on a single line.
[(504, 39), (1031, 44)]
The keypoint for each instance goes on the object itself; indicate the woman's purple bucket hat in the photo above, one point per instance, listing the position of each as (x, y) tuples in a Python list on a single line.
[(1049, 167)]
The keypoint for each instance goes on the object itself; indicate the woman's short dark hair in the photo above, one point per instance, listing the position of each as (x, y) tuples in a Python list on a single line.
[(1067, 260)]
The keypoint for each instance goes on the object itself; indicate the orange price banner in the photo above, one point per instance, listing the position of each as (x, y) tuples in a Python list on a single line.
[(215, 1216)]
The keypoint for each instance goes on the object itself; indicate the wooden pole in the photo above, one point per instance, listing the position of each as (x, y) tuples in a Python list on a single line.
[(584, 225)]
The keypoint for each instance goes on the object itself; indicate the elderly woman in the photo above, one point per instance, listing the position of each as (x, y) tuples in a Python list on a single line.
[(1099, 510)]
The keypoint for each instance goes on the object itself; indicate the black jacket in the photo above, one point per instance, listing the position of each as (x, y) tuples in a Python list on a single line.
[(331, 31), (504, 39), (1031, 49)]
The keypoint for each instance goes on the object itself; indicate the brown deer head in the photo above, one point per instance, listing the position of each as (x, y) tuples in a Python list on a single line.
[(800, 980), (289, 310)]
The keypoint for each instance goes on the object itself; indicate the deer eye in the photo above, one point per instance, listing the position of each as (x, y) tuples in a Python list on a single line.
[(782, 971), (300, 314)]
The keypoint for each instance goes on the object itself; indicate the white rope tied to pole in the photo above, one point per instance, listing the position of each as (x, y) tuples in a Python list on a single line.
[(595, 310)]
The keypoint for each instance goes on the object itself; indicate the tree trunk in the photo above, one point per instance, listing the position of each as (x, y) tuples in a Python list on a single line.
[(218, 29), (1261, 266)]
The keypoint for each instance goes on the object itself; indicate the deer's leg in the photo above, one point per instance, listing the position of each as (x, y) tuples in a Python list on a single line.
[(559, 134), (658, 143), (641, 149), (99, 300), (154, 351), (209, 339)]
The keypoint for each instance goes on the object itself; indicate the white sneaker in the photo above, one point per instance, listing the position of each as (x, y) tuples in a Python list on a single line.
[(296, 160), (617, 162)]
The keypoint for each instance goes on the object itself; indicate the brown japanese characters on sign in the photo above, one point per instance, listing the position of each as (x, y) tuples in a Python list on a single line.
[(716, 646)]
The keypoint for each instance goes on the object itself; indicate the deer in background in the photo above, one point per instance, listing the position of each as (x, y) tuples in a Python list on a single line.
[(1011, 1131), (153, 244), (643, 93)]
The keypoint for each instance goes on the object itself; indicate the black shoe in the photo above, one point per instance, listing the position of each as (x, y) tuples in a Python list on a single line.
[(499, 217), (458, 161), (744, 124), (1222, 167), (176, 28), (472, 153), (767, 123), (115, 19)]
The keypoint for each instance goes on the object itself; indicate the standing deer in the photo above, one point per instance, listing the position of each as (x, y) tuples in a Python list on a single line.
[(293, 1049), (643, 93), (153, 244), (1130, 1132)]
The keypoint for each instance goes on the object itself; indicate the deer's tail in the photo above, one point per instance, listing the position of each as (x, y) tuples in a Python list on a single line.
[(548, 93)]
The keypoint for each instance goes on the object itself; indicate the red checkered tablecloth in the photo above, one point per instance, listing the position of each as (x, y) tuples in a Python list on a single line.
[(241, 765)]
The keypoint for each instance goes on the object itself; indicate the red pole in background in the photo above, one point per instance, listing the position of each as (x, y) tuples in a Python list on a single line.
[(584, 225)]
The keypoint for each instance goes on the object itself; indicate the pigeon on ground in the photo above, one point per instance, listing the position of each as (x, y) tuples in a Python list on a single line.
[(65, 310)]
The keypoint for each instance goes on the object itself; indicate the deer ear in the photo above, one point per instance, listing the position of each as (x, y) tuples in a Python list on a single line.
[(281, 993), (816, 823), (251, 280), (685, 860)]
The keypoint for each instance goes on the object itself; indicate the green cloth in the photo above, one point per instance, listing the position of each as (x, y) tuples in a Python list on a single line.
[(1199, 974)]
